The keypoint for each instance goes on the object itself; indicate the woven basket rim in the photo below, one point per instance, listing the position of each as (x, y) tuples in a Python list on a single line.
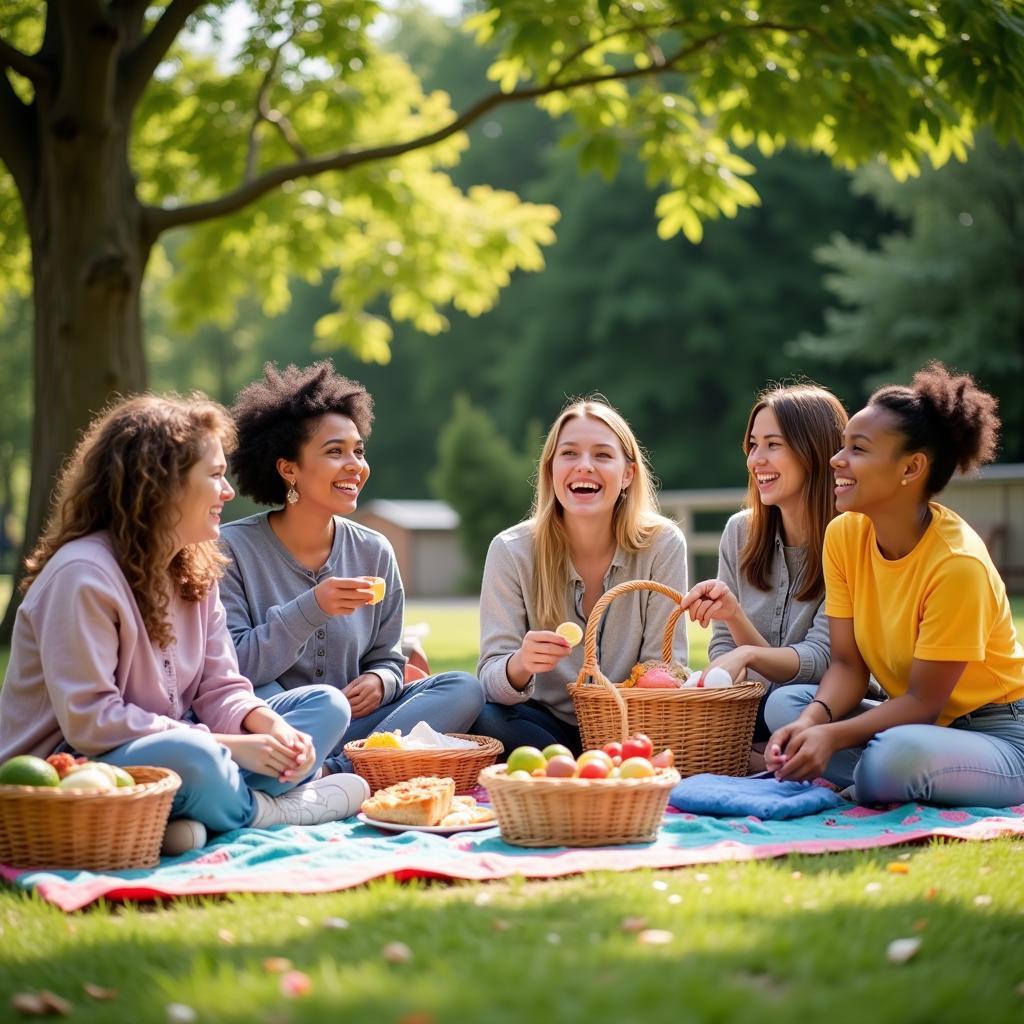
[(166, 777), (661, 777), (484, 744)]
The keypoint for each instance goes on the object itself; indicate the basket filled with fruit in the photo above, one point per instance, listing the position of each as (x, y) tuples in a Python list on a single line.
[(548, 798), (705, 718), (386, 758), (67, 812)]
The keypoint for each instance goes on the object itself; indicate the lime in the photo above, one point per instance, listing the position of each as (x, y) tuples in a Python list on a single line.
[(121, 777), (526, 759), (555, 750), (26, 770)]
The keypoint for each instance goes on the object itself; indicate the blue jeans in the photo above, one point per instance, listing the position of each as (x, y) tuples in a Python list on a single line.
[(975, 761), (529, 724), (447, 702), (214, 789)]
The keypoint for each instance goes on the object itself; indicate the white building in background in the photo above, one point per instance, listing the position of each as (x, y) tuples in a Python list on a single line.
[(423, 534)]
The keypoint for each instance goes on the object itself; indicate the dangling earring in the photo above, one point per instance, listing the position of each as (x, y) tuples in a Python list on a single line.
[(293, 495)]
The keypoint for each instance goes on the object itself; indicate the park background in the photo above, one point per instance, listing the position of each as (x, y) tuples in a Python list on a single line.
[(849, 277)]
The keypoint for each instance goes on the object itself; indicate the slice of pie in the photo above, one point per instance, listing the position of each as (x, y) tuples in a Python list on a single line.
[(420, 801)]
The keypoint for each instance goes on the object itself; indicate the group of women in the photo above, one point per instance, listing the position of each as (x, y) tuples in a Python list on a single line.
[(245, 658)]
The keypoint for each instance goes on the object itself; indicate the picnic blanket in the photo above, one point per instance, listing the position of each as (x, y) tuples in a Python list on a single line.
[(327, 858)]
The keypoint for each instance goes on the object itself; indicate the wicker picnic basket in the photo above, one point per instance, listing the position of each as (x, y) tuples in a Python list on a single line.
[(578, 812), (384, 766), (707, 730), (98, 830)]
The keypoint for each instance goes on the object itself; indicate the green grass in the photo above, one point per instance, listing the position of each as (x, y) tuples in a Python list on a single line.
[(798, 938)]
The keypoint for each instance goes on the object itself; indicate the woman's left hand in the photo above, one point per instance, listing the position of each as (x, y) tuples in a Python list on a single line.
[(735, 662), (301, 744), (365, 694), (807, 753)]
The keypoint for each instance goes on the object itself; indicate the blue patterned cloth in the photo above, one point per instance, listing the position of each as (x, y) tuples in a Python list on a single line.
[(764, 798)]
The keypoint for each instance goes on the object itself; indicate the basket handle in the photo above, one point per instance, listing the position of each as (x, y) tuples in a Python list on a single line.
[(591, 669)]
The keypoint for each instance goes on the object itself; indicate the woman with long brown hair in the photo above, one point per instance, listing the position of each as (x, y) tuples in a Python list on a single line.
[(595, 524), (121, 651), (766, 604)]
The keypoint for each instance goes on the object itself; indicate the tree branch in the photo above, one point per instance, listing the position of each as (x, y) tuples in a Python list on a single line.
[(161, 219), (16, 60), (138, 65)]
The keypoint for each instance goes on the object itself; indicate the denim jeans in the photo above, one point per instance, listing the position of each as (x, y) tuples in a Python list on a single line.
[(975, 761), (447, 702), (529, 724), (214, 789)]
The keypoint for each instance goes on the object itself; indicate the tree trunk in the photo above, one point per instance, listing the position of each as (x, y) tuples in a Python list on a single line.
[(89, 251)]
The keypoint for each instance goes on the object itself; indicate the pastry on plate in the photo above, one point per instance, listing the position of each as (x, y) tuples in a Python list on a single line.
[(466, 811), (420, 801)]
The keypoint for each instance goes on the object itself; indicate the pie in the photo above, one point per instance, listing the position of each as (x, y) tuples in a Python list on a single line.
[(420, 801)]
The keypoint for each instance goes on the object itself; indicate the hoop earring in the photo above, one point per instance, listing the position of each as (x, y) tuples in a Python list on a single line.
[(293, 495)]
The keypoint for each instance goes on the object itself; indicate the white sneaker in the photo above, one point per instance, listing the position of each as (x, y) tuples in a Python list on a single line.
[(182, 835), (328, 799)]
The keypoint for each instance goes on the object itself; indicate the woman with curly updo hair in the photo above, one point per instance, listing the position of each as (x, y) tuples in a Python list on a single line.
[(913, 598), (120, 649), (298, 591)]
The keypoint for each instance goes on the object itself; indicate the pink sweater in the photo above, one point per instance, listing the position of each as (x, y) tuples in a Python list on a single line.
[(83, 668)]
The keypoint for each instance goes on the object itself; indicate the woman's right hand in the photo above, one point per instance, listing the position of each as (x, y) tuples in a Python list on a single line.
[(540, 651), (775, 755), (338, 595), (711, 599)]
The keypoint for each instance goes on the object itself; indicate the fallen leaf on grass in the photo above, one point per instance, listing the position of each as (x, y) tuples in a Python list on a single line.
[(277, 964), (897, 867), (634, 924), (99, 993), (40, 1004), (499, 924), (225, 936), (899, 951), (180, 1013), (654, 937), (335, 924), (396, 953), (982, 900), (295, 985)]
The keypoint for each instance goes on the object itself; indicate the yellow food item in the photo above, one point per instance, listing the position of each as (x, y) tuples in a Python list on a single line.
[(570, 631), (382, 739), (379, 588), (421, 801), (466, 811)]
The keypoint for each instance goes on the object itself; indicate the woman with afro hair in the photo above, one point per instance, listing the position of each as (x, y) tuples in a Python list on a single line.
[(297, 592), (913, 598)]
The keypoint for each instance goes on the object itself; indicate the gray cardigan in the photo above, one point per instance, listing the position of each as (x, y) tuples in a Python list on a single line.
[(282, 634), (633, 629), (775, 613)]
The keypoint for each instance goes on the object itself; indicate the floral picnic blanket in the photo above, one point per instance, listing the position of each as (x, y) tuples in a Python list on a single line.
[(327, 858)]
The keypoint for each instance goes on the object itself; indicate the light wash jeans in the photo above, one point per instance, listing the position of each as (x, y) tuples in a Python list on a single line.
[(214, 789), (975, 761), (447, 702)]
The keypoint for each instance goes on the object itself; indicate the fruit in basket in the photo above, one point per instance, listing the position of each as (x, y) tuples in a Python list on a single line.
[(90, 777), (666, 759), (63, 763), (556, 750), (560, 767), (636, 768), (613, 749), (594, 769), (658, 678), (638, 745), (570, 632), (527, 759), (385, 740), (26, 770)]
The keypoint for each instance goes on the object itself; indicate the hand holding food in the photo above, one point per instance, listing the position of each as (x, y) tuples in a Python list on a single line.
[(570, 632), (339, 595)]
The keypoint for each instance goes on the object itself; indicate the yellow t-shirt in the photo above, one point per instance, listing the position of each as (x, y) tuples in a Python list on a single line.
[(944, 601)]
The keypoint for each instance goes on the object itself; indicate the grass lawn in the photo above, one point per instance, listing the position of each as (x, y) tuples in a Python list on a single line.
[(794, 939)]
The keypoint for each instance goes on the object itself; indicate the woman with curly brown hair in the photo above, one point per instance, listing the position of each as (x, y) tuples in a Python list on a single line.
[(299, 603), (120, 649), (913, 598)]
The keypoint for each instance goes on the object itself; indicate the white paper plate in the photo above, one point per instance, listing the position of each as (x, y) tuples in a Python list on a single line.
[(444, 830)]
